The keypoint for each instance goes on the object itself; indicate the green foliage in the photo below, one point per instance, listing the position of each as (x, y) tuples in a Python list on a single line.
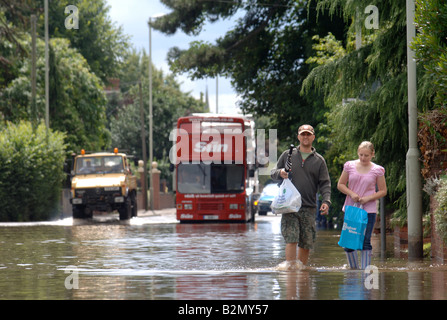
[(430, 44), (327, 49), (31, 172), (264, 54), (98, 39), (440, 213), (77, 101), (366, 92), (190, 15), (169, 103), (78, 106), (209, 56)]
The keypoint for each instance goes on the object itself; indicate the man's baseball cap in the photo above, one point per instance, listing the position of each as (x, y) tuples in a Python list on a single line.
[(306, 128)]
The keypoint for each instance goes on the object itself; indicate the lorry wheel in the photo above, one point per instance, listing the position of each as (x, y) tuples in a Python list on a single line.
[(126, 210), (78, 212)]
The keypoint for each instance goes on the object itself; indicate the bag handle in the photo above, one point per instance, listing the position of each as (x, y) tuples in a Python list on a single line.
[(358, 206), (288, 165)]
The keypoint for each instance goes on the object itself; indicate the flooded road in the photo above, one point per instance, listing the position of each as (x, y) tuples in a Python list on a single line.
[(155, 257)]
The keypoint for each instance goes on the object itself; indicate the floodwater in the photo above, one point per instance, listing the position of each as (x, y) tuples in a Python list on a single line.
[(157, 258)]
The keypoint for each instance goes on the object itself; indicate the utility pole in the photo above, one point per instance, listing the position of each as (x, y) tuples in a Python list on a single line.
[(143, 146), (47, 71), (217, 94), (151, 147), (413, 172), (151, 139), (33, 71)]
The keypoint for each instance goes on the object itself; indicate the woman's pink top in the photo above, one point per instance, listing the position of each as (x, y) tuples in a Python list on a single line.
[(362, 184)]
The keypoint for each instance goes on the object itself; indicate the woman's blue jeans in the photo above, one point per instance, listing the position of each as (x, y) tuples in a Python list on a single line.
[(368, 232)]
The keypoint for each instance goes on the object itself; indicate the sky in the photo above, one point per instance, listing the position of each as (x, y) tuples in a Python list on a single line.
[(133, 15)]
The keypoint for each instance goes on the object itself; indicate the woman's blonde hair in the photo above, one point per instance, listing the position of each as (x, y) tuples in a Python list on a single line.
[(366, 145)]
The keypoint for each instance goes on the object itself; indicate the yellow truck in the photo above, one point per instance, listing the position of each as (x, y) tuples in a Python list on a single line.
[(103, 182)]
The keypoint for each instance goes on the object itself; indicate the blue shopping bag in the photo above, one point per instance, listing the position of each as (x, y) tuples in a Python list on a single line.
[(354, 227)]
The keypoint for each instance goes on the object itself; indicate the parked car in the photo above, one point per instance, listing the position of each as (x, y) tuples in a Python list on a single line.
[(265, 200)]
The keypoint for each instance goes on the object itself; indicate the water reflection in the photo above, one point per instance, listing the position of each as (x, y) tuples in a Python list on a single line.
[(157, 258)]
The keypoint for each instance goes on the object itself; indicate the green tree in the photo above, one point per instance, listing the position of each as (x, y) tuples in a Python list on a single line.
[(11, 50), (169, 103), (77, 101), (98, 39), (264, 54), (366, 92), (31, 175), (430, 45)]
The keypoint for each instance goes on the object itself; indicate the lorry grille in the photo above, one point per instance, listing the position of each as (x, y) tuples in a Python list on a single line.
[(95, 194)]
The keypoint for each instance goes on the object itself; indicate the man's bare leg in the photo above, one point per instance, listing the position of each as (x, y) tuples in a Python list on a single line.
[(291, 251), (303, 255)]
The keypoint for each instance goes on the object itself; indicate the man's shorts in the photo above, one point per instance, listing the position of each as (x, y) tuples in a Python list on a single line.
[(299, 227)]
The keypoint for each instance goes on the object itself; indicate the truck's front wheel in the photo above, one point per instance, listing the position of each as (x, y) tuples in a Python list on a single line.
[(79, 212), (125, 210)]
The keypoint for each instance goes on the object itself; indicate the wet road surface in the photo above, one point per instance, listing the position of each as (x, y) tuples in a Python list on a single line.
[(154, 257)]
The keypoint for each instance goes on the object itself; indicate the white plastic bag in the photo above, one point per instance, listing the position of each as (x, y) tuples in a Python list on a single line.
[(287, 200)]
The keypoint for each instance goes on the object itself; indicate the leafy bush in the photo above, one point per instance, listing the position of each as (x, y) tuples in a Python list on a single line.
[(31, 172), (440, 213), (430, 45)]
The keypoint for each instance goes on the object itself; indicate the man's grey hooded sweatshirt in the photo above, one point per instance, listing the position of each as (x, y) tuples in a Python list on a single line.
[(310, 176)]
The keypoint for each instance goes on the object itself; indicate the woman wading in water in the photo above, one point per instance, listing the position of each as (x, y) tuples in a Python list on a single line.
[(358, 182)]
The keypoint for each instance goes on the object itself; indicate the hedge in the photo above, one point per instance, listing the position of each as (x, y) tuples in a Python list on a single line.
[(440, 213), (31, 172)]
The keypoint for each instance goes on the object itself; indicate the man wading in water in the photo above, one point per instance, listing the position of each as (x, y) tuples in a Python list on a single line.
[(309, 174)]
